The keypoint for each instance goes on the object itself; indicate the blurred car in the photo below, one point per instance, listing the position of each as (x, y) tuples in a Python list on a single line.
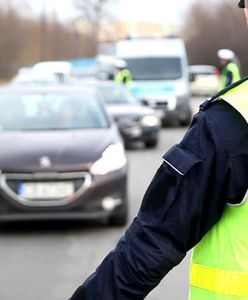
[(135, 121), (204, 80), (61, 69), (31, 78), (159, 68), (62, 157)]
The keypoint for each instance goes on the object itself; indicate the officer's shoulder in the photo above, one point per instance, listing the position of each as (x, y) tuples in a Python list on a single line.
[(213, 101), (223, 117)]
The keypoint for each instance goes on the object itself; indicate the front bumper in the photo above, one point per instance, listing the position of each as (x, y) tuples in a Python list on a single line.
[(89, 204), (182, 113), (172, 108), (136, 134)]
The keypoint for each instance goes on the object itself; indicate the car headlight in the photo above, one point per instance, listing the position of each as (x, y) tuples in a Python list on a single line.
[(149, 121), (172, 103), (113, 158)]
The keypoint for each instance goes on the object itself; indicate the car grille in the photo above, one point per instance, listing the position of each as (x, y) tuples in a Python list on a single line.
[(12, 184), (161, 104), (127, 122)]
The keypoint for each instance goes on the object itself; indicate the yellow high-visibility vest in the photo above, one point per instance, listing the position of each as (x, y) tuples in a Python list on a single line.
[(219, 265), (124, 76), (234, 69)]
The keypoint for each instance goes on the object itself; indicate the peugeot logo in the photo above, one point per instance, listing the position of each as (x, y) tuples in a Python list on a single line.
[(45, 162)]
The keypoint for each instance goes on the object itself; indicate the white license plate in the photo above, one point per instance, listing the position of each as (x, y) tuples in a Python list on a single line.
[(46, 190)]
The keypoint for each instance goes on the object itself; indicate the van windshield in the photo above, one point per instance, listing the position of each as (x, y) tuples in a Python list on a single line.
[(155, 68)]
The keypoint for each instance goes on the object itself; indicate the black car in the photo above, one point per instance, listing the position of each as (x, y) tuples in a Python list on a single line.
[(135, 121), (61, 157)]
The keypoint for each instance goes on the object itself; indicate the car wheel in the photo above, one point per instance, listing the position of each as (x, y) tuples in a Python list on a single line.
[(151, 143), (120, 219), (186, 120)]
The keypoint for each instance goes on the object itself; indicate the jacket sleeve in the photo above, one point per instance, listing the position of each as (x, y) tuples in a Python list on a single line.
[(184, 200)]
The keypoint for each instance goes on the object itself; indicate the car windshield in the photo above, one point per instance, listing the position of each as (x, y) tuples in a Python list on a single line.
[(55, 111), (155, 68), (116, 95)]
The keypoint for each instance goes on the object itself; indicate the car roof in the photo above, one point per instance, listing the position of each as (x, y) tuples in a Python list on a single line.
[(46, 89), (153, 47), (53, 66)]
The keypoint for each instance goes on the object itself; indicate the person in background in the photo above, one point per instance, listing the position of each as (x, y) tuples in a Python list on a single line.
[(123, 75), (230, 71), (197, 198)]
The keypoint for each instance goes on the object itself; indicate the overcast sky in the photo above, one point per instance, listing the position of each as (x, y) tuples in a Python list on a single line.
[(162, 11)]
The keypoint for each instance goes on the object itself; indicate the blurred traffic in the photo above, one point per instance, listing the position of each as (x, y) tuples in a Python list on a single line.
[(159, 70), (89, 103), (204, 80), (71, 161), (67, 126), (135, 121), (61, 157)]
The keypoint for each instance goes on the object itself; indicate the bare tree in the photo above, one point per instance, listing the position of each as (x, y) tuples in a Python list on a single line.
[(20, 41), (93, 12), (11, 42)]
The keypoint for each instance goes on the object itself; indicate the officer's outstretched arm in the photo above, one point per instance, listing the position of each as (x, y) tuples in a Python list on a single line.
[(184, 200)]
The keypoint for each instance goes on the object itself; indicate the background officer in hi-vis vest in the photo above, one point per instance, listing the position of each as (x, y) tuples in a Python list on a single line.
[(197, 198), (230, 72), (123, 75)]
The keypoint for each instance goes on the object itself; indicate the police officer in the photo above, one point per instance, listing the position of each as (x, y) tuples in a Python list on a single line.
[(230, 72), (198, 197), (123, 75)]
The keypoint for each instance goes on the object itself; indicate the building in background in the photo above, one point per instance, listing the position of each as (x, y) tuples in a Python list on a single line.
[(119, 30)]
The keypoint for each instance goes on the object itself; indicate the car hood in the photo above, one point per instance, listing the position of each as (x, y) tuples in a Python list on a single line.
[(66, 150), (129, 110)]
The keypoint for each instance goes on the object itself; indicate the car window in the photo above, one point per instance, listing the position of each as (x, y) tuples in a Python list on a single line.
[(51, 112), (155, 68)]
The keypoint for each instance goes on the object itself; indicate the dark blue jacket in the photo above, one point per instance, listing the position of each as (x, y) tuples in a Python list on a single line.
[(186, 197)]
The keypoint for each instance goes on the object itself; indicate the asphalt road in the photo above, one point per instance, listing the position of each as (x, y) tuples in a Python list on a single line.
[(47, 261)]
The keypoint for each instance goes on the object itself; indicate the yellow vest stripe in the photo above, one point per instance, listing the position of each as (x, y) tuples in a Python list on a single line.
[(219, 281), (238, 98)]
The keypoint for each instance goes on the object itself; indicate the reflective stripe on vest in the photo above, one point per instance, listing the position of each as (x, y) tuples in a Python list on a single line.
[(219, 267), (219, 281)]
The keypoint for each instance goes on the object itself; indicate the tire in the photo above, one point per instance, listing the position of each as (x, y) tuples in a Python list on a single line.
[(120, 219), (187, 120), (151, 143)]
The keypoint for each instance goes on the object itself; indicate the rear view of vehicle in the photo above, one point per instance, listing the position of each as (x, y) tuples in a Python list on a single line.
[(160, 75), (135, 122), (61, 157), (204, 80)]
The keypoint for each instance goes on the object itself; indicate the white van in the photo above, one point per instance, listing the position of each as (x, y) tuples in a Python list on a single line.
[(160, 74)]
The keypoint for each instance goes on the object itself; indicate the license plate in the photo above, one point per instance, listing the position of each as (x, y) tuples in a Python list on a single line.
[(46, 190)]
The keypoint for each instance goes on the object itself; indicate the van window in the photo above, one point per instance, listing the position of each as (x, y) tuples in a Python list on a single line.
[(155, 68)]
